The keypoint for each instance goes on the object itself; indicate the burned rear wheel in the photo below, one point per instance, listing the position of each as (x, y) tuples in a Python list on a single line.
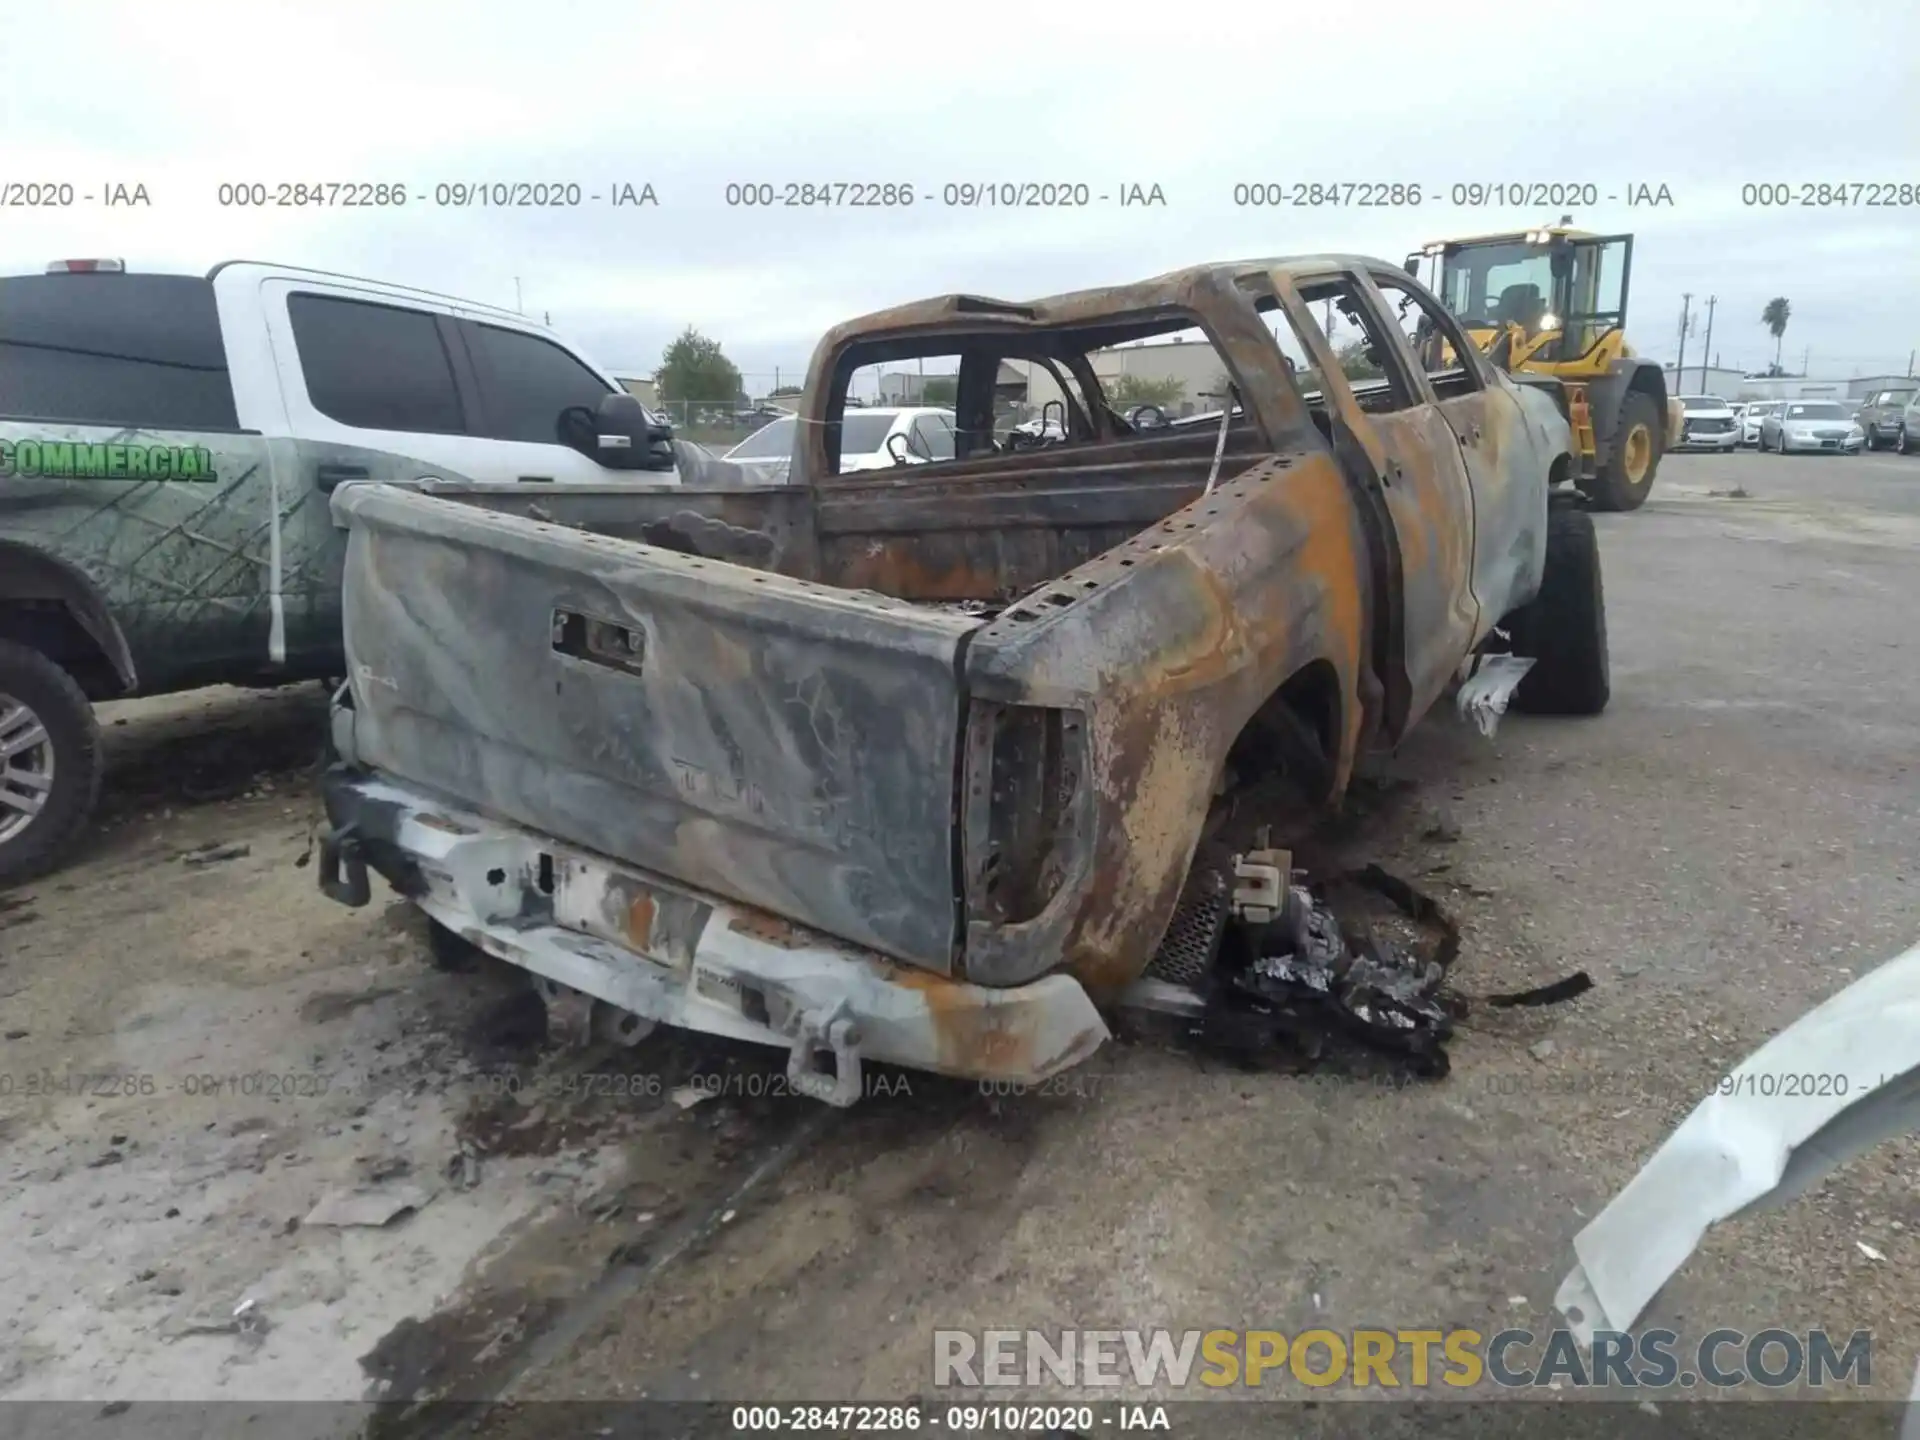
[(1632, 459), (1563, 629)]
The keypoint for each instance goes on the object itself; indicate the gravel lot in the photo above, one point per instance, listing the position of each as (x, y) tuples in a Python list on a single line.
[(1735, 839)]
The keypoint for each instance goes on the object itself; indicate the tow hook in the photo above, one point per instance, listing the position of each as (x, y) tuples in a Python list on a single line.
[(340, 849), (821, 1034)]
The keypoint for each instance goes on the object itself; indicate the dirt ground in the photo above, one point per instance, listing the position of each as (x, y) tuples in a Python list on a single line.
[(199, 1049)]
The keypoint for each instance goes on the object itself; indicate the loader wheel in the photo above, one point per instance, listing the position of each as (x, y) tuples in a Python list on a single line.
[(49, 762), (1564, 627), (1628, 475)]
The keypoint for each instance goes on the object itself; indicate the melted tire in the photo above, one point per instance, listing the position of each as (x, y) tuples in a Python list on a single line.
[(1564, 628)]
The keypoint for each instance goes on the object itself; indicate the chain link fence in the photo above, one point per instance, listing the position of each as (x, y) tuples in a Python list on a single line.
[(720, 426)]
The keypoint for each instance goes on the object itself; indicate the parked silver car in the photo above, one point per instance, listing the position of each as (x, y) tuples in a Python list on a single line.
[(1751, 417), (1708, 424), (1880, 415), (1812, 425)]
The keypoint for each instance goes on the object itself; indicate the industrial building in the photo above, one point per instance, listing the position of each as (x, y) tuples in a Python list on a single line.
[(1737, 385)]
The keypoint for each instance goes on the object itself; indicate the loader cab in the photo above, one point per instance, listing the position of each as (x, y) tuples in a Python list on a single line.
[(1560, 294)]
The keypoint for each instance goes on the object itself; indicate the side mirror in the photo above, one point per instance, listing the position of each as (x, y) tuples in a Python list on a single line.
[(626, 437), (1411, 265)]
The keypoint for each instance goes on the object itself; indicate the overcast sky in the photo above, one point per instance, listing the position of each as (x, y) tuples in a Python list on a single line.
[(1702, 98)]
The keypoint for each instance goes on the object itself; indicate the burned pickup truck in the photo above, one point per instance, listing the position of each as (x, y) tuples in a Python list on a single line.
[(911, 765)]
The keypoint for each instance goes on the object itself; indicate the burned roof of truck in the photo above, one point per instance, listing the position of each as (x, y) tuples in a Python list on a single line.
[(1078, 308)]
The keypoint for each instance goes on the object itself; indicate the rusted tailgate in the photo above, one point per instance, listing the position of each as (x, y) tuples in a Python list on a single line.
[(785, 744)]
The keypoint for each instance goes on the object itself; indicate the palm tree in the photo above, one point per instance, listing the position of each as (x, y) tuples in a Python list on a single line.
[(1775, 317)]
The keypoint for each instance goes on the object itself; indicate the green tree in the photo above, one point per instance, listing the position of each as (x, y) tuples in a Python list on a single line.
[(694, 370), (1125, 391), (780, 390), (939, 389), (1355, 363), (1775, 316)]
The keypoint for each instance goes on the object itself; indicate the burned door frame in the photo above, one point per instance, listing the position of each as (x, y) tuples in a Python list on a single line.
[(1508, 512), (1423, 483)]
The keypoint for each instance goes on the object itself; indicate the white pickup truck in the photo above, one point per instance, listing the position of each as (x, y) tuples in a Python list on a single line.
[(168, 444)]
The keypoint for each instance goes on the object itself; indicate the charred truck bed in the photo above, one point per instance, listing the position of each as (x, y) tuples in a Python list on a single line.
[(767, 697)]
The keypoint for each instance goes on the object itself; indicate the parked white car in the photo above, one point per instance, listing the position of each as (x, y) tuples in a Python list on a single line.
[(1812, 425), (871, 438), (1708, 424), (1751, 418)]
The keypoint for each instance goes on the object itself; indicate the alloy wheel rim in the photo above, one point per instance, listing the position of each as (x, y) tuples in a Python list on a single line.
[(26, 767)]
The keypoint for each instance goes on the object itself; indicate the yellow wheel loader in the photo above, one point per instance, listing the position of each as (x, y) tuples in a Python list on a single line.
[(1549, 306)]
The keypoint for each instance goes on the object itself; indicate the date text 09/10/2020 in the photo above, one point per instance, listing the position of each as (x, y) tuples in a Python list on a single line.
[(56, 193)]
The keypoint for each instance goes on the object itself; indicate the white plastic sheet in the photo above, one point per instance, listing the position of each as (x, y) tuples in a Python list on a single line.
[(1833, 1084), (1485, 693)]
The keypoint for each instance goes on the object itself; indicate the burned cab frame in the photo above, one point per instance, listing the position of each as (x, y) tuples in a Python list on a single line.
[(914, 764)]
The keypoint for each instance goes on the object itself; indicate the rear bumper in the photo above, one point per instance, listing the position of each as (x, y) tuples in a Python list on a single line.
[(648, 947)]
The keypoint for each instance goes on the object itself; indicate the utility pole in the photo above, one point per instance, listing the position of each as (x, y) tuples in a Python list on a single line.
[(1707, 345), (1909, 364), (1686, 323), (519, 303), (1806, 360)]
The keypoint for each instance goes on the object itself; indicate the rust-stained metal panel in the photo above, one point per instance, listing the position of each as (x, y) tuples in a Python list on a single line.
[(1173, 641), (778, 742), (1516, 428)]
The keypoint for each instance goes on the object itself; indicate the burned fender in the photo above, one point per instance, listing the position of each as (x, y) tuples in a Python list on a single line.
[(1171, 643), (1831, 1085)]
